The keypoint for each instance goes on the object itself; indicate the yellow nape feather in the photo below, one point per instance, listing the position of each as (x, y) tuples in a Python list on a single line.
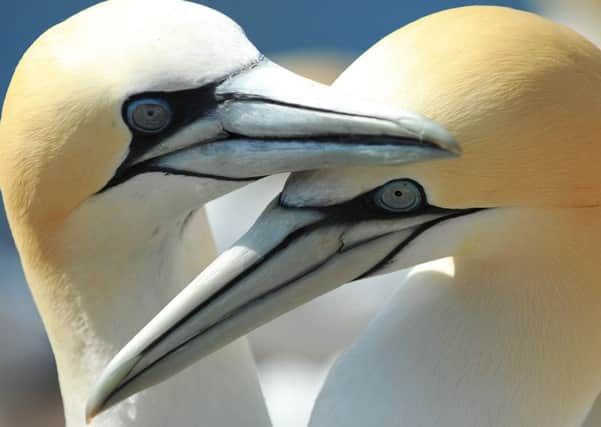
[(519, 93)]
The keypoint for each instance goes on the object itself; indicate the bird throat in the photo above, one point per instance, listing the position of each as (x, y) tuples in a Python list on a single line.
[(99, 286), (508, 336)]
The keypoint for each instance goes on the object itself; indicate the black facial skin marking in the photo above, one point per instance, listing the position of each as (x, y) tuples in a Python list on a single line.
[(361, 208), (187, 106)]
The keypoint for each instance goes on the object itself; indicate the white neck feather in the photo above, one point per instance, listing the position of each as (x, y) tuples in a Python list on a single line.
[(509, 337), (112, 279)]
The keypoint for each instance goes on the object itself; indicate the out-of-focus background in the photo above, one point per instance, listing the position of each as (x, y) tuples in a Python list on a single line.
[(315, 38)]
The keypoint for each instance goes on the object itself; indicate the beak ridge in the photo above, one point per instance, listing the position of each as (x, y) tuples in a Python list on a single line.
[(245, 287), (273, 121), (268, 120), (270, 101)]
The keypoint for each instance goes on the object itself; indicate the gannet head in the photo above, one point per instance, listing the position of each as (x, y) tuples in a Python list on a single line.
[(521, 95), (517, 91), (157, 106)]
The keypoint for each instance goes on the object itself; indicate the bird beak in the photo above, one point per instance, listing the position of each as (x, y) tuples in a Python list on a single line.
[(290, 256), (266, 120)]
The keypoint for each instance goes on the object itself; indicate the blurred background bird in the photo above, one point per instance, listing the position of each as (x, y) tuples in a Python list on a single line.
[(315, 39)]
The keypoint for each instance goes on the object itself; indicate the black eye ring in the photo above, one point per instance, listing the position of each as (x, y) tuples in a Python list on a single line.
[(399, 196), (149, 115)]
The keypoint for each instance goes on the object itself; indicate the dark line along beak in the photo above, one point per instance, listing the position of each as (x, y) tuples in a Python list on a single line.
[(290, 256), (266, 120)]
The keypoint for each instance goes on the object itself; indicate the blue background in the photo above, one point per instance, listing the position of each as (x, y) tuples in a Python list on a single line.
[(273, 25)]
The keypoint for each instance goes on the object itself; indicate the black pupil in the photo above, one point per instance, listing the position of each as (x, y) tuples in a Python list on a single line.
[(399, 196), (150, 117)]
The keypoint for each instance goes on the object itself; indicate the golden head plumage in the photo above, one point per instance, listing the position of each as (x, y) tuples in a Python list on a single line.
[(519, 93)]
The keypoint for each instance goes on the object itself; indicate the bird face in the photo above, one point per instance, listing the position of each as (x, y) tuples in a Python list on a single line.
[(519, 93), (155, 107)]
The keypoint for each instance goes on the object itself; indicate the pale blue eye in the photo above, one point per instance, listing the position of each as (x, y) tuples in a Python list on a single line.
[(149, 115), (399, 196)]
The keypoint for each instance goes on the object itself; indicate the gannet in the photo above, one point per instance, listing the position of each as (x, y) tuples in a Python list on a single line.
[(502, 330), (119, 124)]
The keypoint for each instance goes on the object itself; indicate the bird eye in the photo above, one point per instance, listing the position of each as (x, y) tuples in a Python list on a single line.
[(399, 196), (149, 115)]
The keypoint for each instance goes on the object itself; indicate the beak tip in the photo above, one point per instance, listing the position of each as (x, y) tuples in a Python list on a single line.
[(446, 143), (91, 413), (427, 131), (442, 138), (101, 395), (95, 405), (453, 148)]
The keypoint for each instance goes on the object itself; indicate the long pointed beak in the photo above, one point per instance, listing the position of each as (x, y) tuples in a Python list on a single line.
[(266, 120), (290, 256)]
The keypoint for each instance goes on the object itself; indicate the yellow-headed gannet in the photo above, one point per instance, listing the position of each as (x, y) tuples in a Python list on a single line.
[(504, 331), (119, 124)]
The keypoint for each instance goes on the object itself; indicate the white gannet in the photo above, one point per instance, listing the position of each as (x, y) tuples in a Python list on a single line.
[(503, 330), (119, 124)]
